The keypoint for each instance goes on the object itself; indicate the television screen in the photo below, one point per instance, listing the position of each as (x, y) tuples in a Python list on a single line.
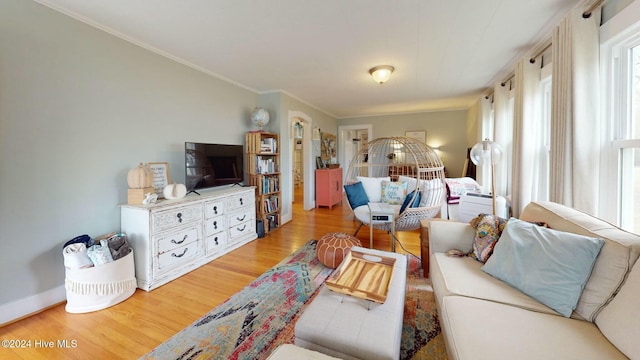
[(211, 165)]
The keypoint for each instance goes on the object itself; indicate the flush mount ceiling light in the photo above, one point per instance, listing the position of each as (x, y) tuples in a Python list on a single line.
[(381, 73)]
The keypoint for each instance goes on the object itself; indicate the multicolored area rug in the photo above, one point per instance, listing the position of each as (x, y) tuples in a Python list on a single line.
[(254, 321)]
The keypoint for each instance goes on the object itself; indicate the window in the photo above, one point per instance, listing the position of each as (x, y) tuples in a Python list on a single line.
[(629, 149), (621, 171), (542, 137)]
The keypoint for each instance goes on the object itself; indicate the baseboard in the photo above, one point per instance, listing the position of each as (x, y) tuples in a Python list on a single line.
[(22, 308)]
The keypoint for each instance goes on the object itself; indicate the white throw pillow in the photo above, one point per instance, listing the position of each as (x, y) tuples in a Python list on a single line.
[(433, 191), (373, 187)]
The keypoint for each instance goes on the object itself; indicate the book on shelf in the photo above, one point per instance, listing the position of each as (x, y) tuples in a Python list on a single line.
[(272, 221), (266, 165), (270, 184), (269, 145), (271, 204)]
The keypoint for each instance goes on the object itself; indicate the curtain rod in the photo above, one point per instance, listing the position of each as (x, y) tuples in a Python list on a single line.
[(504, 83), (596, 4), (539, 52)]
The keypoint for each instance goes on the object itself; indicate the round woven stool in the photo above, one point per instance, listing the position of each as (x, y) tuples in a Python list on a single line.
[(332, 248)]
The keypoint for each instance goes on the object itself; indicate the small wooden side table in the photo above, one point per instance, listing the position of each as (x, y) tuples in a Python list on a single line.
[(424, 243)]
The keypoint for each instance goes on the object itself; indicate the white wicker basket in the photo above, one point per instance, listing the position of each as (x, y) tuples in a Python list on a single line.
[(100, 287)]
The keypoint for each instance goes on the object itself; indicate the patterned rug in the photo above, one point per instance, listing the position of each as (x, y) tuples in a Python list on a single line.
[(254, 321)]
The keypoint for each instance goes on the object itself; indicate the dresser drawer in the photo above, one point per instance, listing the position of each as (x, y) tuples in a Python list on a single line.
[(168, 219), (239, 217), (215, 225), (214, 208), (174, 239), (241, 230), (178, 256), (241, 200), (216, 242)]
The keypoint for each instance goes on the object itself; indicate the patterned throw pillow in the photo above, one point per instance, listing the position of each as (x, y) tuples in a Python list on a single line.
[(393, 193), (488, 230)]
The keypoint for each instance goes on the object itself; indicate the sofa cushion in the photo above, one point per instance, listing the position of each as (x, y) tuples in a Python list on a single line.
[(373, 187), (479, 329), (394, 192), (488, 230), (462, 276), (619, 321), (534, 260), (617, 256), (356, 195)]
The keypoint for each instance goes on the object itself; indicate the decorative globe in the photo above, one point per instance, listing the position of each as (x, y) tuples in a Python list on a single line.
[(260, 117)]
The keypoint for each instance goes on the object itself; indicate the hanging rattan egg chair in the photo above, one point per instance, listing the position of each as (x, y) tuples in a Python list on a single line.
[(400, 159)]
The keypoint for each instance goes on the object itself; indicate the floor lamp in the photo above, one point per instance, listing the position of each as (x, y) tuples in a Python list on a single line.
[(487, 152)]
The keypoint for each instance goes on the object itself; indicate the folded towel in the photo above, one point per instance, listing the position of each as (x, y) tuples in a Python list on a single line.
[(100, 254), (118, 246), (75, 256)]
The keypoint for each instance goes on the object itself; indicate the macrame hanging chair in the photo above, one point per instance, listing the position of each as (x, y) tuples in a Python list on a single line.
[(401, 159)]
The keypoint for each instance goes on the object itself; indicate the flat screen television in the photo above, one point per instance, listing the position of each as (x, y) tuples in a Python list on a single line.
[(211, 165)]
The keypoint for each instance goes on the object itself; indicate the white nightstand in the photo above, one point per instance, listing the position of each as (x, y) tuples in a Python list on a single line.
[(472, 204)]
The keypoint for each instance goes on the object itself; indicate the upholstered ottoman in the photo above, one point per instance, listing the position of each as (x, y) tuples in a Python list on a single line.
[(332, 248), (351, 328), (292, 352)]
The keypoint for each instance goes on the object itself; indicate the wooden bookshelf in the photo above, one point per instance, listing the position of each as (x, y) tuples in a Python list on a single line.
[(262, 167)]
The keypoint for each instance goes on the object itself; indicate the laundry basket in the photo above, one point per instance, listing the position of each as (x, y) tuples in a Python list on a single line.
[(100, 287)]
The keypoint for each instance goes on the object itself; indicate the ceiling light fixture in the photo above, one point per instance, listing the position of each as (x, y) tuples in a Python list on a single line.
[(381, 73)]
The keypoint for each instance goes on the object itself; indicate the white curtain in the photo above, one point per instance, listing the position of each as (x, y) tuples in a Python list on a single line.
[(503, 135), (486, 123), (575, 139), (524, 144)]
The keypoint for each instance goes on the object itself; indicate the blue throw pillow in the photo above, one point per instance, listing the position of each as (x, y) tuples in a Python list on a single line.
[(408, 201), (549, 265), (356, 195)]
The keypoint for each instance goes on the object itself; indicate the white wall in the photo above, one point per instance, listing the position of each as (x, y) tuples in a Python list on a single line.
[(280, 104), (446, 129), (78, 108)]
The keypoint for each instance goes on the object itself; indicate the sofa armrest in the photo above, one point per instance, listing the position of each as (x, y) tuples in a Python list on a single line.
[(447, 235)]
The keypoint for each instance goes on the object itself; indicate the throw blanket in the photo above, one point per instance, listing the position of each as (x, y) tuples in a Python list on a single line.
[(75, 256)]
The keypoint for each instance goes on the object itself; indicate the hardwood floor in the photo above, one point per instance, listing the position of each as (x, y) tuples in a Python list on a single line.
[(134, 327)]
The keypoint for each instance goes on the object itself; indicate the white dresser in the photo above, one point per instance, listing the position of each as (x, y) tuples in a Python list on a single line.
[(172, 237)]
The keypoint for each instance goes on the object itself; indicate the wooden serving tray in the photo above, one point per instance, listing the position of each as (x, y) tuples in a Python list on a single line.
[(364, 276)]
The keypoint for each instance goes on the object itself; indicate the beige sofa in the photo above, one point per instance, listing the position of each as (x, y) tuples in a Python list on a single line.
[(485, 318)]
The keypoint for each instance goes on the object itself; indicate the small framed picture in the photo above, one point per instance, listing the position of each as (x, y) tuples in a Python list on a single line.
[(319, 163), (161, 176), (419, 135)]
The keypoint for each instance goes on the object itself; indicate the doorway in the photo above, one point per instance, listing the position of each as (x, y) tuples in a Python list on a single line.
[(351, 139), (306, 183)]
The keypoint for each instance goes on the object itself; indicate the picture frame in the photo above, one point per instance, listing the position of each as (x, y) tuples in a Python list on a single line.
[(319, 163), (328, 146), (419, 135), (315, 134), (161, 177)]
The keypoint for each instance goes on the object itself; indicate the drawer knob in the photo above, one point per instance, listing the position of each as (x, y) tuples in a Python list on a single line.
[(215, 225), (180, 241), (181, 255), (215, 210), (243, 228), (215, 240), (179, 215), (243, 217), (241, 201)]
